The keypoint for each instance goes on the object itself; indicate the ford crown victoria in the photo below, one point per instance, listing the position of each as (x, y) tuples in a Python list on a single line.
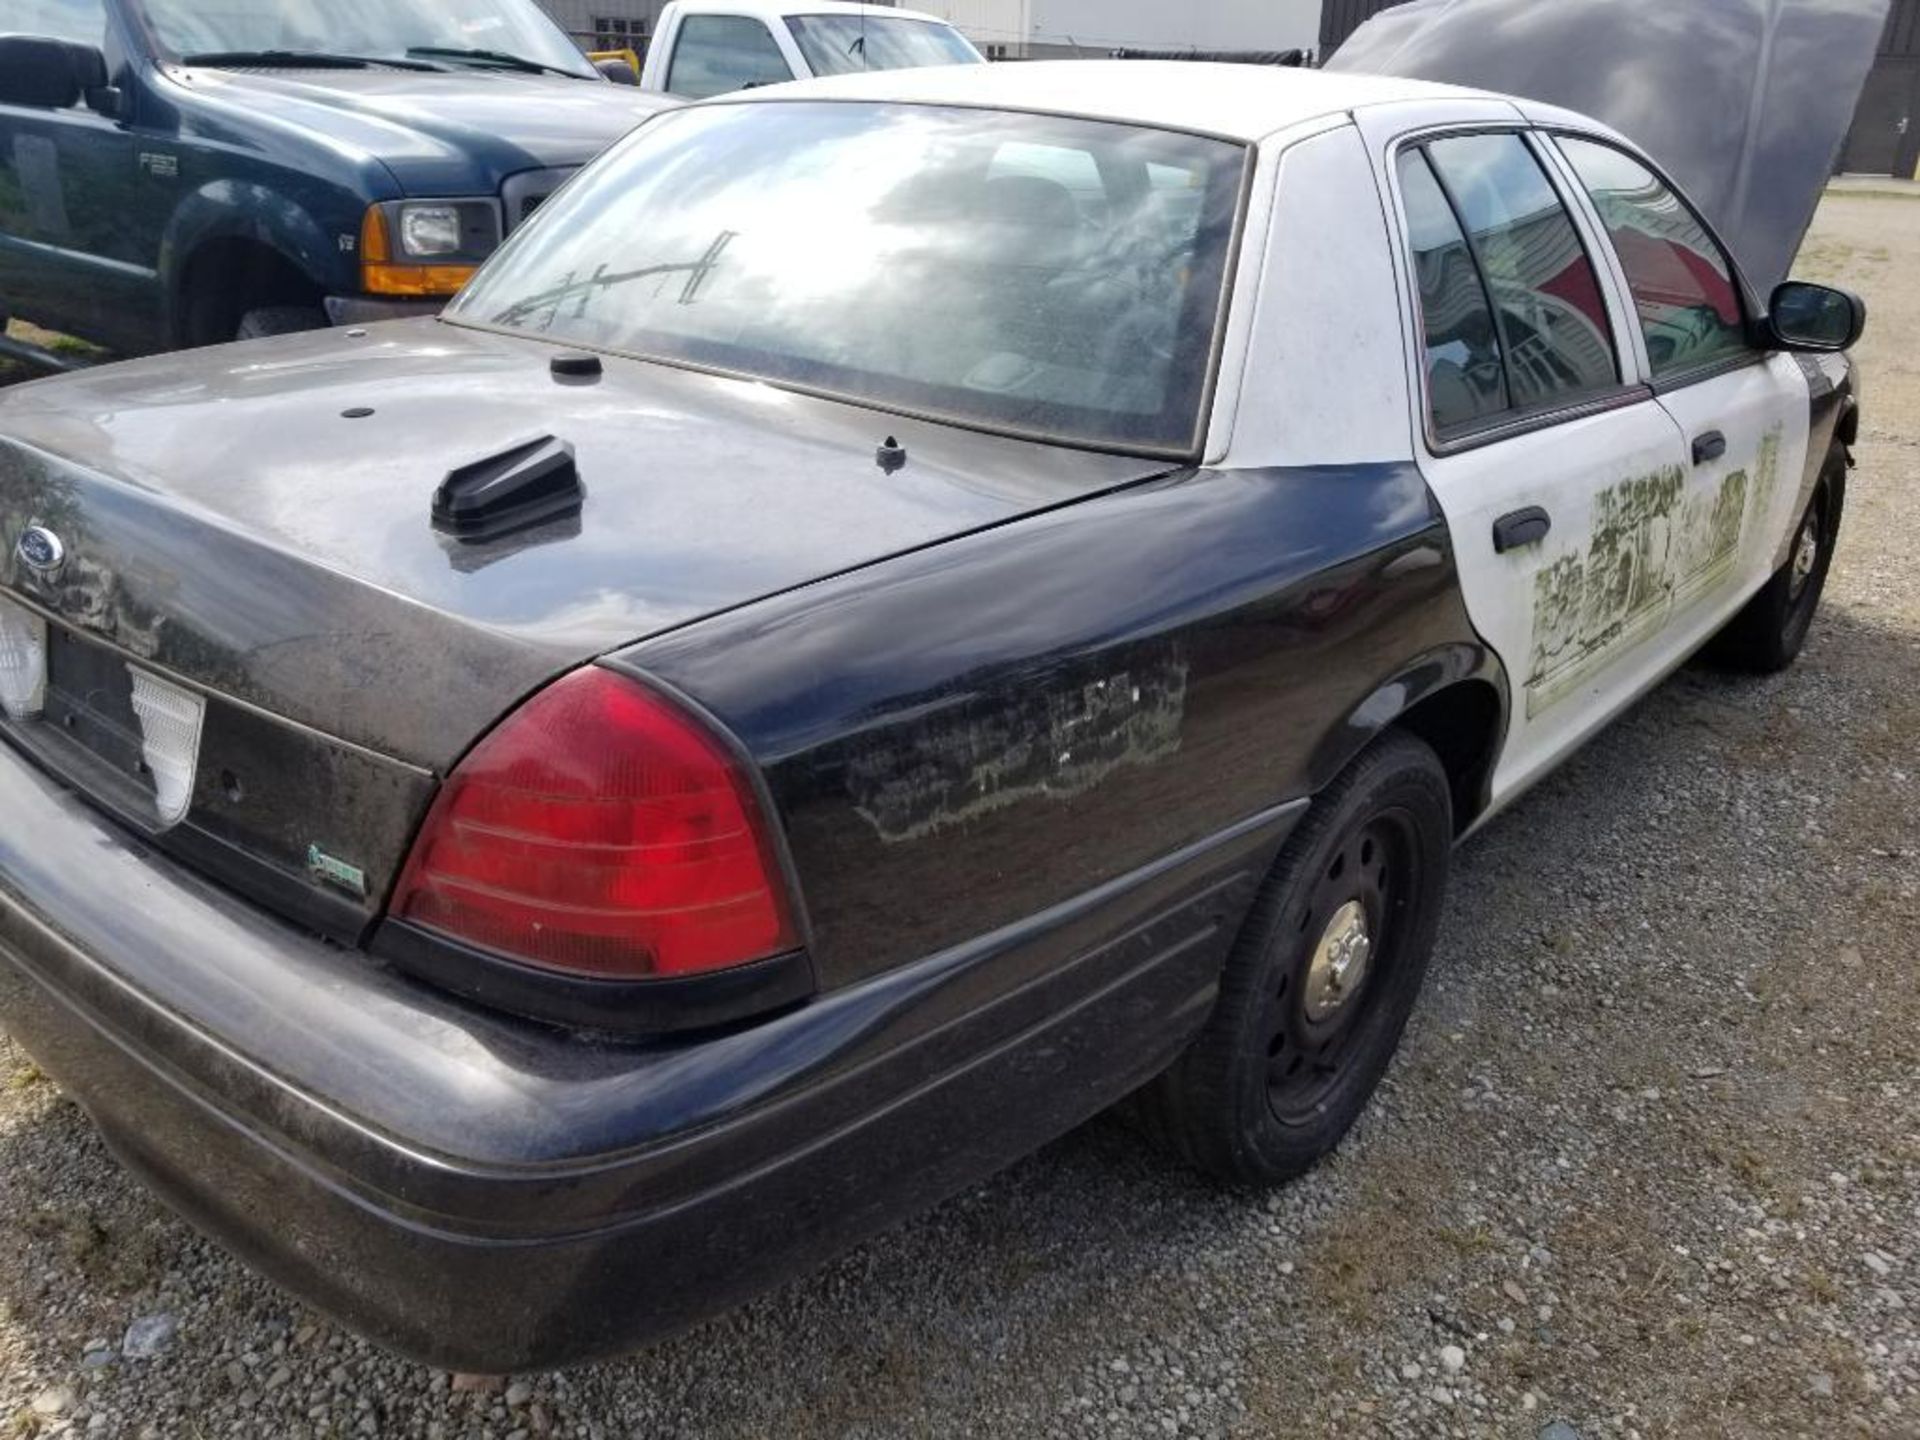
[(894, 614)]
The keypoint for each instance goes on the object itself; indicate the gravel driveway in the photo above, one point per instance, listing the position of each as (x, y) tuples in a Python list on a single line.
[(1648, 1165)]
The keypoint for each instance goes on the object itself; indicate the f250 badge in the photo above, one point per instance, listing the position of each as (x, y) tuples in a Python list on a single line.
[(160, 164), (40, 550)]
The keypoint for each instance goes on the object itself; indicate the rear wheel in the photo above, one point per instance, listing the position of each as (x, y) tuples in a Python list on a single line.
[(1322, 979), (1767, 635)]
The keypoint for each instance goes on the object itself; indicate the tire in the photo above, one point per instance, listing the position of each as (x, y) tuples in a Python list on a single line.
[(279, 320), (1290, 1056), (1768, 634)]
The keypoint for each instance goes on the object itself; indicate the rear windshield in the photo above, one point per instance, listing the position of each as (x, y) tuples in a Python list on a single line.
[(835, 44), (1019, 273)]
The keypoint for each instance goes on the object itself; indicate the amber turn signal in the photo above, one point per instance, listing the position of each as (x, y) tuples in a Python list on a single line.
[(381, 274)]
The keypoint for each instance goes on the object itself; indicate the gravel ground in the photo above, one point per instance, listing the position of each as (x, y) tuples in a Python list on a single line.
[(1648, 1165)]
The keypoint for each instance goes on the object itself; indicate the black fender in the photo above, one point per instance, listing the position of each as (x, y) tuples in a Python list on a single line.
[(1413, 698), (229, 210), (1833, 417)]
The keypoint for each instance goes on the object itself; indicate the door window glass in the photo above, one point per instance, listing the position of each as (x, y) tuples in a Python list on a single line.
[(84, 21), (1554, 330), (1683, 286), (715, 54), (837, 44), (1465, 380)]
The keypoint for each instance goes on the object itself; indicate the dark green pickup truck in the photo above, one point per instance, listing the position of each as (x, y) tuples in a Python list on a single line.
[(183, 172)]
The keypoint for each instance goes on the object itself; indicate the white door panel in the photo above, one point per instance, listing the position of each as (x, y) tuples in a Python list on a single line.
[(1761, 411), (1578, 618), (1649, 551)]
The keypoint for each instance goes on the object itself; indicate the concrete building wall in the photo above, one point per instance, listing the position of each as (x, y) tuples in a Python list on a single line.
[(996, 26), (1340, 18), (594, 22), (1097, 26), (1885, 139)]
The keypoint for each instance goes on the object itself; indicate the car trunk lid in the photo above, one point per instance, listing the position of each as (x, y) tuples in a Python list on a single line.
[(259, 517), (253, 526)]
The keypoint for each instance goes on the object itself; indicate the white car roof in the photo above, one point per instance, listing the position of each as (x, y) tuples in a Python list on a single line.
[(1242, 102)]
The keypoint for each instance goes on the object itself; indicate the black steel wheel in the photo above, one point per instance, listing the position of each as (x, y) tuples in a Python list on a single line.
[(1351, 937), (1321, 981)]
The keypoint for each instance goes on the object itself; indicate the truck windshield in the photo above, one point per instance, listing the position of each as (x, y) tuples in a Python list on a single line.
[(481, 32), (1019, 273), (835, 44)]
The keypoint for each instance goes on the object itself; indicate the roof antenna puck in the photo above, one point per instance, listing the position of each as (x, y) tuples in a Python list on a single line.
[(891, 457)]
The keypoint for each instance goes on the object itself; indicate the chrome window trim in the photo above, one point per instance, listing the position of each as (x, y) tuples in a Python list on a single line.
[(1524, 422)]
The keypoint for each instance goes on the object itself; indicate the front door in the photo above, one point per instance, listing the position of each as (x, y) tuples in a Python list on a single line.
[(1743, 415)]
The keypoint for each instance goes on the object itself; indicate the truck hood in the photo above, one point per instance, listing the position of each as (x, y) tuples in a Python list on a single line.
[(442, 133), (225, 519), (1745, 102)]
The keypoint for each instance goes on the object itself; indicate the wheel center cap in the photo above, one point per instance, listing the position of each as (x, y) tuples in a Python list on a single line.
[(1340, 960), (1805, 557)]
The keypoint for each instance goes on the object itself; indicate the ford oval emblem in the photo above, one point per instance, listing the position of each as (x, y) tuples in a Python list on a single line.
[(40, 550)]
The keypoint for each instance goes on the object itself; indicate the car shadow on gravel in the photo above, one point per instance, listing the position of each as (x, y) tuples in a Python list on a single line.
[(1097, 1248)]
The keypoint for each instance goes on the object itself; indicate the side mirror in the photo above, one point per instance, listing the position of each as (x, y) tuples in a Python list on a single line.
[(618, 71), (1815, 318), (48, 74)]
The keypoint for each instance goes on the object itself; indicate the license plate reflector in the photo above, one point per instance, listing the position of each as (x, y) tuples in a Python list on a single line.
[(170, 719)]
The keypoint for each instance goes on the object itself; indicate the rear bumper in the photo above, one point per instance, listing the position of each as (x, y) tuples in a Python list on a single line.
[(484, 1194)]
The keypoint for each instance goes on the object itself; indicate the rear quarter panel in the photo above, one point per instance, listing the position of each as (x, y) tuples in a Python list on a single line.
[(963, 737)]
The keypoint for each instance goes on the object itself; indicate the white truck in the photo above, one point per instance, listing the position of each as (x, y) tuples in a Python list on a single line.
[(709, 47)]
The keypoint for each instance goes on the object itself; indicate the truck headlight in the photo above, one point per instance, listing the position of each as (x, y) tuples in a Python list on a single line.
[(425, 248), (429, 232)]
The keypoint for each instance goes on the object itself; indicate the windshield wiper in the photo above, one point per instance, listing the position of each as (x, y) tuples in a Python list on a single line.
[(494, 57), (308, 59)]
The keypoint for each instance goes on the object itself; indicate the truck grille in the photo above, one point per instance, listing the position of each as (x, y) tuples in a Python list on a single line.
[(528, 191)]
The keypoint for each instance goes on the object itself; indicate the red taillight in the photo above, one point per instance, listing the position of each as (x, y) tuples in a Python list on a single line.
[(600, 831)]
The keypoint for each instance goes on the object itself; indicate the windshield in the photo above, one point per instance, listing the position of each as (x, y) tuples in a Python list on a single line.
[(834, 44), (1020, 273), (368, 29)]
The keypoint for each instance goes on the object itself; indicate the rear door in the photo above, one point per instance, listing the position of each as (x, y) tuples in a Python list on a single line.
[(1742, 412), (1557, 470)]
